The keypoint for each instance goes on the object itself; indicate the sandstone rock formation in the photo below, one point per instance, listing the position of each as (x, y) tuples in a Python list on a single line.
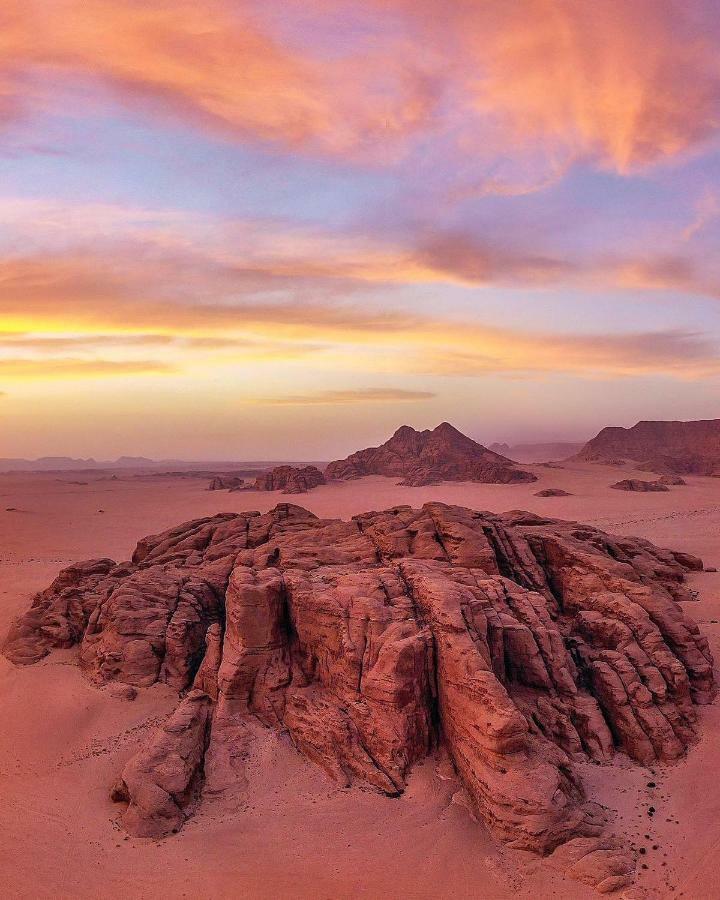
[(226, 483), (538, 453), (290, 479), (553, 492), (429, 457), (517, 644), (681, 448), (637, 484), (674, 480)]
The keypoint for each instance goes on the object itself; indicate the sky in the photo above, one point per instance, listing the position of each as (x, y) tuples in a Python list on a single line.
[(273, 229)]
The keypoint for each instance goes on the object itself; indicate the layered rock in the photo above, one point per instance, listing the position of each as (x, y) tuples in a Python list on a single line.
[(290, 479), (226, 483), (430, 457), (681, 448), (639, 486), (517, 644)]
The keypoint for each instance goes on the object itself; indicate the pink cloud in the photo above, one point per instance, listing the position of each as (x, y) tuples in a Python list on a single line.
[(533, 83)]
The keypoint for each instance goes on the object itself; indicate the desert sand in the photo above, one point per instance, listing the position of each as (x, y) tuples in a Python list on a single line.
[(297, 834)]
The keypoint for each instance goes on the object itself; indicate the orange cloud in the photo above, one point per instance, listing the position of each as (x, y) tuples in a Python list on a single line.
[(530, 85), (80, 368), (626, 81), (70, 295), (544, 82), (214, 63), (345, 397)]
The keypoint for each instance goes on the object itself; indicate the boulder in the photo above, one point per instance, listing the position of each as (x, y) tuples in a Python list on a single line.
[(674, 480), (636, 484)]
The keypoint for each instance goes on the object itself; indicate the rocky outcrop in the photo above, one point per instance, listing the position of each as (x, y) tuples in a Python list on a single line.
[(430, 457), (673, 480), (637, 484), (538, 453), (681, 448), (290, 479), (518, 644), (226, 483), (553, 492)]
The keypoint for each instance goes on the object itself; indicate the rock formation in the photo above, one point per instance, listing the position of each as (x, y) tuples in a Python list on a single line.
[(681, 448), (538, 453), (515, 643), (637, 484), (429, 457), (226, 483), (674, 480), (553, 492), (290, 479)]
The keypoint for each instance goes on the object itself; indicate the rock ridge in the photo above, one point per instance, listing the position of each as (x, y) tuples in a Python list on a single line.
[(667, 448)]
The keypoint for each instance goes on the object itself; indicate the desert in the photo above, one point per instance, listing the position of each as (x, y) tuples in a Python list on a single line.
[(359, 449), (63, 751)]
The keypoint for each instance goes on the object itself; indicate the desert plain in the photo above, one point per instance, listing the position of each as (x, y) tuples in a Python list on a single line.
[(291, 831)]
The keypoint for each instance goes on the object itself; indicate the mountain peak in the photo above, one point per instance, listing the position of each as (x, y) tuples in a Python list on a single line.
[(429, 457)]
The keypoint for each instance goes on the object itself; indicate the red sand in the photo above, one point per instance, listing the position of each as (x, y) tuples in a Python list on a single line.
[(295, 833)]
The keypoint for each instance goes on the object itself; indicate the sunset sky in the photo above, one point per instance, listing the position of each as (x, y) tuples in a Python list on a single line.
[(280, 229)]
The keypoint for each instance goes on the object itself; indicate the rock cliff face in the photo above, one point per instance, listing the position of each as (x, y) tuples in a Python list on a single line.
[(429, 457), (290, 479), (517, 644), (681, 448)]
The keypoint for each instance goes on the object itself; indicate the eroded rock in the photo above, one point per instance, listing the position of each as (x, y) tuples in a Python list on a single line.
[(226, 483), (639, 486), (518, 643), (290, 479), (430, 457), (680, 448)]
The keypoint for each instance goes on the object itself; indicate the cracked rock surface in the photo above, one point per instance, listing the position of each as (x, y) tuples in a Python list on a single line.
[(520, 645), (290, 479)]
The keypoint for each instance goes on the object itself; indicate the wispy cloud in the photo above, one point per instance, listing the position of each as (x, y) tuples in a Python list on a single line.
[(57, 295), (216, 66), (97, 255), (539, 83), (707, 208), (477, 350), (80, 368), (346, 397)]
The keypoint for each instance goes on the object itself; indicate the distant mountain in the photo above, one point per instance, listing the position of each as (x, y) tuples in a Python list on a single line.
[(68, 463), (46, 464), (429, 457), (682, 448), (535, 453)]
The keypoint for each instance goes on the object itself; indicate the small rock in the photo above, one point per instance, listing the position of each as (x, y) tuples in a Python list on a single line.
[(124, 692)]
